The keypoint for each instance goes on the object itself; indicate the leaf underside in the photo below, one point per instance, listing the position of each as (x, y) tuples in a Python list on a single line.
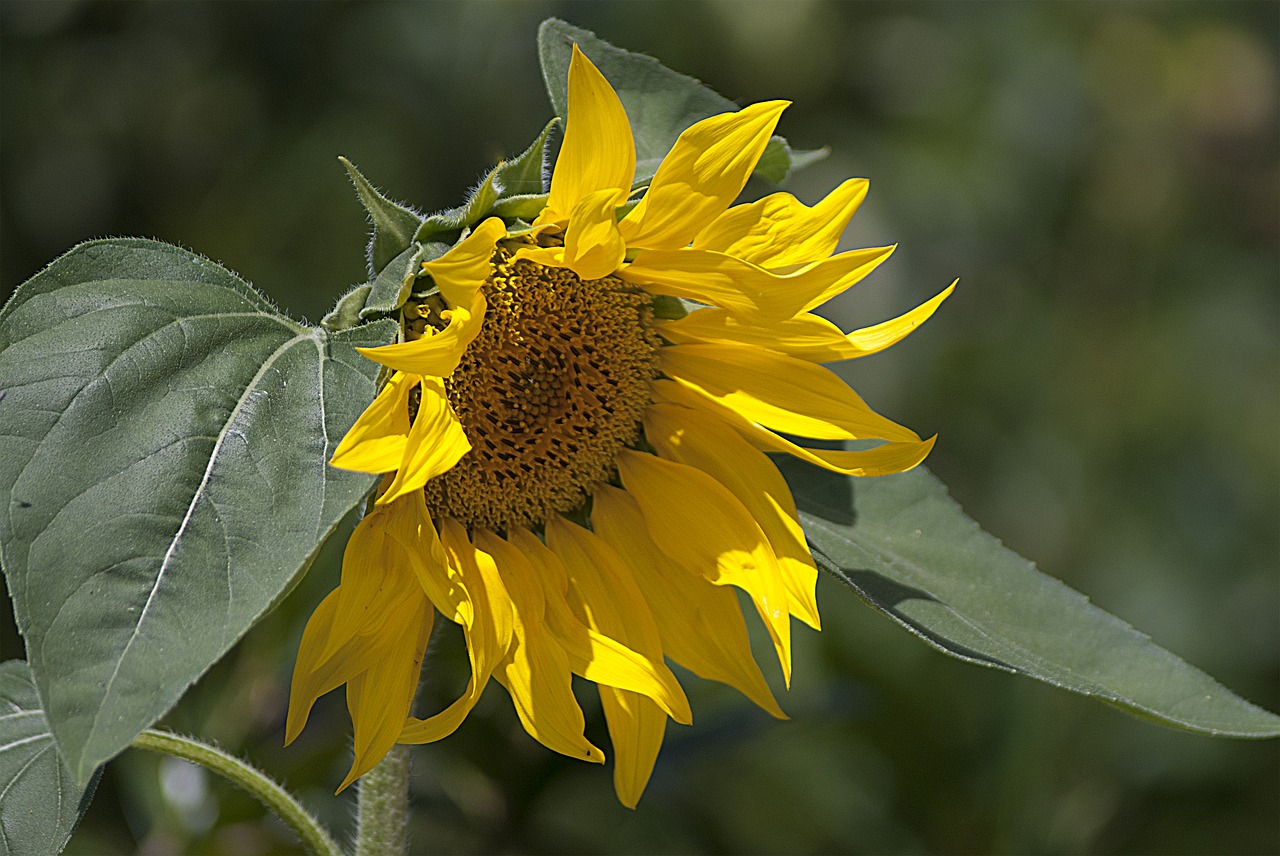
[(163, 439), (907, 549)]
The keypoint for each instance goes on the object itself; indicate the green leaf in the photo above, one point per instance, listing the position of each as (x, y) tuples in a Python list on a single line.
[(906, 548), (394, 225), (164, 434), (40, 802), (660, 102)]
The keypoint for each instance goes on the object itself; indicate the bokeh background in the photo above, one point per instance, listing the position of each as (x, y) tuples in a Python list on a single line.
[(1104, 179)]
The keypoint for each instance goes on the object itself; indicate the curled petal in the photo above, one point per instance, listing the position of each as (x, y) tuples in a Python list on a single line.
[(593, 248), (780, 230), (806, 337), (375, 444), (436, 354), (461, 271), (435, 443)]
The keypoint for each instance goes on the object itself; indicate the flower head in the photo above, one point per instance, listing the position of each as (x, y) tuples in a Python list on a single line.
[(580, 484)]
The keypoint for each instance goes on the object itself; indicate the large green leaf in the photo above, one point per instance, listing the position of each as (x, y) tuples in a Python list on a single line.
[(906, 548), (660, 102), (163, 439), (40, 802)]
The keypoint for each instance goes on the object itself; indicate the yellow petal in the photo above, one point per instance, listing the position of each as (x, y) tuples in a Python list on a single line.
[(372, 582), (700, 623), (702, 441), (896, 457), (479, 602), (636, 729), (604, 597), (700, 177), (535, 671), (314, 676), (593, 248), (597, 152), (436, 442), (375, 444), (749, 289), (779, 392), (380, 697), (780, 230), (593, 654), (697, 522), (806, 337), (461, 271), (435, 354)]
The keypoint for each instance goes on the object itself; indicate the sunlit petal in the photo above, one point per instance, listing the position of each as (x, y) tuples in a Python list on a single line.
[(702, 441), (700, 622), (697, 522), (436, 442), (780, 230), (375, 444), (700, 177), (747, 289), (597, 152)]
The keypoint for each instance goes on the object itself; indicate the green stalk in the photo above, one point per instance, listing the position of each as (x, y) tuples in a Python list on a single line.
[(277, 799), (382, 818)]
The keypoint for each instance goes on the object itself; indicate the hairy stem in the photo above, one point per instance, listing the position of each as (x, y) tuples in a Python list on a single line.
[(382, 825), (309, 831)]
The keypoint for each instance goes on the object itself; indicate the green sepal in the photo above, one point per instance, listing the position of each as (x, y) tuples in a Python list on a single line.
[(394, 225), (346, 312), (670, 308), (661, 103), (907, 549), (390, 289), (525, 175), (41, 802)]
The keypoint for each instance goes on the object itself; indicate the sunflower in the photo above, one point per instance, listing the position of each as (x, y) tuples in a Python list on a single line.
[(580, 482)]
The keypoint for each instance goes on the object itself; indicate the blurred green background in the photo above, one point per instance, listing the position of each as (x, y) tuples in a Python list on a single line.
[(1104, 179)]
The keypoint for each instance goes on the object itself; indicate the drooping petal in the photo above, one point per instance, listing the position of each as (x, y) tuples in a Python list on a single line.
[(435, 443), (702, 526), (700, 177), (598, 152), (806, 337), (380, 697), (602, 596), (748, 289), (475, 598), (780, 230), (779, 392), (593, 654), (436, 354), (375, 444), (314, 676), (702, 441), (606, 598), (535, 670), (888, 458), (700, 622)]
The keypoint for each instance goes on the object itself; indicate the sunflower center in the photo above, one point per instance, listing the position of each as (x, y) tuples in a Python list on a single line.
[(549, 392)]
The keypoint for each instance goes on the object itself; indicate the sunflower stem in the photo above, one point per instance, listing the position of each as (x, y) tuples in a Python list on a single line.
[(285, 806), (382, 815)]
